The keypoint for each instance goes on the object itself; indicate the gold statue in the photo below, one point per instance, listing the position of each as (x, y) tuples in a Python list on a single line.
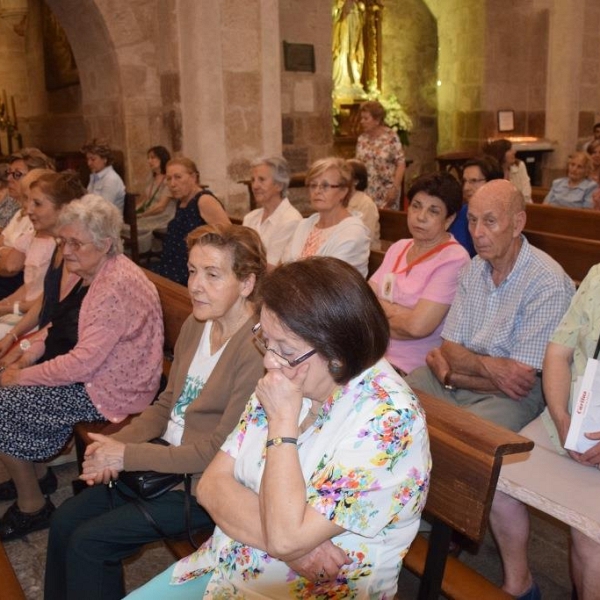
[(348, 48)]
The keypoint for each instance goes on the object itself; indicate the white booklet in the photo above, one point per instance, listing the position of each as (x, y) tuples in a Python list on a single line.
[(585, 414)]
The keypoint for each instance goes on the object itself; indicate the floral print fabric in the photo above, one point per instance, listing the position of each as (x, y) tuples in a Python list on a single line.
[(366, 464), (381, 156)]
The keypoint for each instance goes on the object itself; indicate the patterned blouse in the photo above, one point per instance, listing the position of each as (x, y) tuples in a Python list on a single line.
[(8, 207), (366, 464), (381, 156)]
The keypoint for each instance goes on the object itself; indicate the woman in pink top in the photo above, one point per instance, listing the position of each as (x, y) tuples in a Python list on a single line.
[(113, 369), (418, 277)]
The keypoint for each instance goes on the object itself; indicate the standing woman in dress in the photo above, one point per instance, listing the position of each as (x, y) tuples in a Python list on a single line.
[(380, 149), (196, 207)]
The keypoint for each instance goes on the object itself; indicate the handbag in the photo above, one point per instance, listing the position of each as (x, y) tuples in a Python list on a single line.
[(148, 485), (151, 484)]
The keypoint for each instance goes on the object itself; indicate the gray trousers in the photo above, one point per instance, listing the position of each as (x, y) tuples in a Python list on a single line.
[(496, 407)]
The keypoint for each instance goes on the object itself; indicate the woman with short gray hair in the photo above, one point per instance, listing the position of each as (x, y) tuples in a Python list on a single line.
[(85, 365), (276, 219)]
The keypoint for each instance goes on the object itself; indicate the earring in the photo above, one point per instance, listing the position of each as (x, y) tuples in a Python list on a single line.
[(335, 367)]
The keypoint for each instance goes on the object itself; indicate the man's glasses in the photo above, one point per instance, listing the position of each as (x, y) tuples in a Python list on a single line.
[(323, 187), (262, 344), (74, 244), (16, 175), (472, 181)]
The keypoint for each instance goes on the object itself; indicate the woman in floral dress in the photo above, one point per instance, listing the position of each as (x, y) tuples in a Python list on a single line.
[(380, 149), (317, 493)]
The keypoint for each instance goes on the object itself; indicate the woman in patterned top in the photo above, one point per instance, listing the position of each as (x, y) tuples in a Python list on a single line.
[(380, 149), (317, 493)]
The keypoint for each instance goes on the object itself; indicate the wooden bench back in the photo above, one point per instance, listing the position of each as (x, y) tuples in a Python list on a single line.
[(467, 455), (575, 255), (573, 222), (176, 306), (393, 225)]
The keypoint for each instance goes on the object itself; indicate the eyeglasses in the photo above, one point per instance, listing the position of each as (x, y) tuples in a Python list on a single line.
[(472, 181), (323, 187), (262, 344), (75, 245), (16, 175)]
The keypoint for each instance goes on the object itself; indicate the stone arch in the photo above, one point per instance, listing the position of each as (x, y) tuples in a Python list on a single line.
[(126, 56)]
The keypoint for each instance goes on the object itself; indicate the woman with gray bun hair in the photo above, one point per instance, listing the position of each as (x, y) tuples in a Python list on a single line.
[(276, 219), (99, 359)]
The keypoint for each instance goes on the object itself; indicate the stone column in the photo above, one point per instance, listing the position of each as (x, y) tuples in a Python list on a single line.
[(565, 53), (231, 92)]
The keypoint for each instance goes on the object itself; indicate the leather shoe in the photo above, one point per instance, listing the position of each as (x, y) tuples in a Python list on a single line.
[(15, 523), (48, 485)]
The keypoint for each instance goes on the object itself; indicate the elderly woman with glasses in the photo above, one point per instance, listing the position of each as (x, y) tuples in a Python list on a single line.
[(317, 493), (332, 230), (87, 364)]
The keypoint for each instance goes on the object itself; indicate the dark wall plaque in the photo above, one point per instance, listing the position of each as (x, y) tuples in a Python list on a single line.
[(299, 57)]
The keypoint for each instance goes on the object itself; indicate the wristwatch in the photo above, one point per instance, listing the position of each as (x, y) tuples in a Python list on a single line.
[(24, 345)]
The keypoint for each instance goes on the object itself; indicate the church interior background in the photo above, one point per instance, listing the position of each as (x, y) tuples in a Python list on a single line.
[(215, 79)]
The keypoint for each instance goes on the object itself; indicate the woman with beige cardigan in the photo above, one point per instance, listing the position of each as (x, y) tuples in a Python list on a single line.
[(215, 370)]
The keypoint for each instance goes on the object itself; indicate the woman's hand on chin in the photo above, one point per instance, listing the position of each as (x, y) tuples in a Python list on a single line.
[(281, 394)]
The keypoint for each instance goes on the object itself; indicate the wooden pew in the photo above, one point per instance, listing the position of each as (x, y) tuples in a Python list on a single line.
[(393, 226), (575, 222), (575, 255), (538, 194), (10, 588)]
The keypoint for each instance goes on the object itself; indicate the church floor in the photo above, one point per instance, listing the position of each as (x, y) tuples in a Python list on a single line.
[(548, 552)]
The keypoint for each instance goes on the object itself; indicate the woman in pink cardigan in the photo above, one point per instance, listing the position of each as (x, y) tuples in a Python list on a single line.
[(100, 359)]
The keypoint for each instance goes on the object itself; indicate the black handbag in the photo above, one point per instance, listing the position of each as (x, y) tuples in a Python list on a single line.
[(147, 485), (151, 484)]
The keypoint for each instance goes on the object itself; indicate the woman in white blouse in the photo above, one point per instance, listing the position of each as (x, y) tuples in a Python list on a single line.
[(332, 230)]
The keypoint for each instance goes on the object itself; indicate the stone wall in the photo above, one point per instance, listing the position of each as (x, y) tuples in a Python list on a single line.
[(306, 97), (409, 70)]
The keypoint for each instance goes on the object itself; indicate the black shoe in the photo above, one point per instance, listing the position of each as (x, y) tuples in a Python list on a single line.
[(15, 524), (48, 485)]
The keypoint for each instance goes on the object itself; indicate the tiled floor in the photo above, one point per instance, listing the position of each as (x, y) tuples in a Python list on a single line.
[(548, 555)]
